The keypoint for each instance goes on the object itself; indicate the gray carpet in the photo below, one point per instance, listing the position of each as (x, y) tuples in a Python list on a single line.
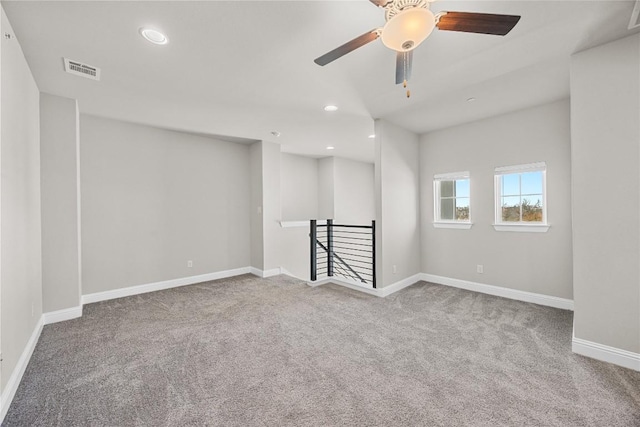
[(248, 351)]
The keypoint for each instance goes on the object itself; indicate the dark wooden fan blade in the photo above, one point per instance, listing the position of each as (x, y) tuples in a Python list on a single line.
[(482, 23), (347, 47), (404, 61)]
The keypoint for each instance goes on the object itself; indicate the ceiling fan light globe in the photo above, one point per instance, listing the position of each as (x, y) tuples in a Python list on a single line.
[(409, 28)]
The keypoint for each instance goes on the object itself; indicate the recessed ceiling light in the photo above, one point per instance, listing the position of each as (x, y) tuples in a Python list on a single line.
[(154, 36), (330, 147), (471, 99), (275, 133), (373, 135), (330, 108)]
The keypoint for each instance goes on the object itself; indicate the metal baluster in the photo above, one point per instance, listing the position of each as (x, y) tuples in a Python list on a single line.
[(313, 235), (330, 247), (373, 251)]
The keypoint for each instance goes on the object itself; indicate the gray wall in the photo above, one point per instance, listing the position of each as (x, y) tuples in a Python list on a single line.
[(331, 187), (257, 241), (59, 176), (326, 187), (354, 192), (20, 260), (605, 127), (533, 262), (294, 251), (271, 211), (298, 186), (153, 199), (397, 209)]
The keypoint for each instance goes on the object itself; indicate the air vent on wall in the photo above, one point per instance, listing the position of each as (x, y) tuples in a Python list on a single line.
[(635, 16), (80, 69)]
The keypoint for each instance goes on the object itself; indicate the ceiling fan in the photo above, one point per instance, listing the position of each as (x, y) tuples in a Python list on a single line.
[(409, 23)]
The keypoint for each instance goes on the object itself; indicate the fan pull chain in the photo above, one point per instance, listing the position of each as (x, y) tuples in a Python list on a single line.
[(404, 84)]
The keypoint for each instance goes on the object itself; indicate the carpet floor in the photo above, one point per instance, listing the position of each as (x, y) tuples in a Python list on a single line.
[(274, 352)]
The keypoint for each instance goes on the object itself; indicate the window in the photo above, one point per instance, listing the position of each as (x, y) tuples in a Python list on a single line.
[(452, 197), (521, 198)]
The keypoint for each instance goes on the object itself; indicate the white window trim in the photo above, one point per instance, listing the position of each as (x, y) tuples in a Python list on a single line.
[(461, 225), (529, 167), (525, 227), (452, 176), (522, 227)]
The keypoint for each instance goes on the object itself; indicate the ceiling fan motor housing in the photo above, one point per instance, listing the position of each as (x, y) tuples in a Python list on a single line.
[(407, 29), (394, 7)]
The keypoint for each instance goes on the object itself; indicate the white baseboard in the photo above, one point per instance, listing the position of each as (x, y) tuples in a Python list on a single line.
[(605, 353), (547, 300), (399, 285), (62, 315), (314, 283), (379, 292), (158, 286), (265, 273), (16, 376), (272, 272), (290, 274), (276, 272), (345, 283), (255, 271)]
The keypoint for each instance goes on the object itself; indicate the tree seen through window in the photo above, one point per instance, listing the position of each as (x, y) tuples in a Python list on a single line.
[(454, 200), (522, 197)]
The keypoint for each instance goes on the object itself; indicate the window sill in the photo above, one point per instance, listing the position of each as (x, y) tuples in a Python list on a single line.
[(522, 228), (458, 225), (303, 223)]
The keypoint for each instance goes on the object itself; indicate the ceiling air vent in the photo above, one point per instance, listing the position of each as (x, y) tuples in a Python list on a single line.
[(635, 16), (80, 69)]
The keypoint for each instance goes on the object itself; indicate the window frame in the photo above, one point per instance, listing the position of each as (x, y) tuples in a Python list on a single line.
[(449, 223), (520, 226)]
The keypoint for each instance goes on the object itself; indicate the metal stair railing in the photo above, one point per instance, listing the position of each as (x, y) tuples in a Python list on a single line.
[(341, 250)]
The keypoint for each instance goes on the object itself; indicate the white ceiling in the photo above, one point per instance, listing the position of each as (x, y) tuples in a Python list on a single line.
[(243, 69)]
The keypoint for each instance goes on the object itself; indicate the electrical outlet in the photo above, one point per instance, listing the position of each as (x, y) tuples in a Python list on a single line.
[(395, 269), (480, 268), (189, 263)]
